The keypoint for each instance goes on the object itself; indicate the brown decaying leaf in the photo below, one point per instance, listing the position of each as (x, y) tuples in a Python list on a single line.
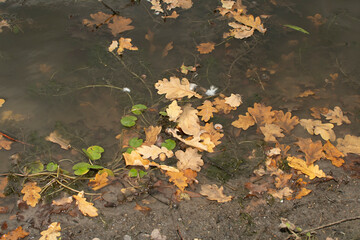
[(52, 232), (349, 144), (234, 100), (189, 159), (178, 179), (311, 170), (306, 93), (303, 192), (15, 234), (196, 141), (2, 101), (285, 192), (173, 15), (313, 150), (151, 134), (98, 19), (333, 154), (11, 116), (99, 182), (173, 111), (62, 201), (156, 6), (5, 144), (205, 48), (55, 137), (120, 24), (31, 193), (86, 208), (221, 105), (134, 159), (153, 151), (261, 114), (239, 32), (250, 21), (213, 192), (206, 111), (317, 19), (143, 209), (271, 131), (317, 111), (244, 122), (282, 180), (167, 48), (190, 175), (125, 43), (336, 116), (189, 120), (317, 127), (175, 89), (215, 135), (3, 184), (256, 188), (285, 121)]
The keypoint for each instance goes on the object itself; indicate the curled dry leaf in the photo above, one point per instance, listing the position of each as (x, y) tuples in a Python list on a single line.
[(195, 141), (333, 154), (262, 114), (205, 48), (151, 134), (206, 111), (337, 116), (173, 111), (153, 151), (244, 122), (15, 234), (313, 150), (178, 179), (234, 100), (52, 232), (190, 159), (125, 43), (213, 192), (285, 121), (31, 193), (55, 137), (317, 127), (86, 208), (175, 89), (271, 131), (189, 121), (312, 170), (349, 144), (5, 144), (100, 181)]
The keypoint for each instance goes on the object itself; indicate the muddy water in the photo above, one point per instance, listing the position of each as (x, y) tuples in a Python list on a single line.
[(49, 60)]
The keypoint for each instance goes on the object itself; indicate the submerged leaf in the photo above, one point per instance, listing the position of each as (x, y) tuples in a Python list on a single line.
[(213, 192), (85, 207), (31, 193)]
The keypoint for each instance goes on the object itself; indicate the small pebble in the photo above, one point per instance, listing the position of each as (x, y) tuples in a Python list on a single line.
[(127, 237)]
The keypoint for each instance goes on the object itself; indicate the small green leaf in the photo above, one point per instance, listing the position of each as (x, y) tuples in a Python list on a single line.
[(142, 173), (169, 144), (94, 152), (81, 168), (138, 108), (129, 150), (110, 173), (96, 167), (128, 121), (36, 167), (163, 113), (51, 167), (135, 142), (133, 172), (297, 28)]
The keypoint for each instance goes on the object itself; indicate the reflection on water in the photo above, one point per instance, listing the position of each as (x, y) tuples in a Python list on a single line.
[(45, 66)]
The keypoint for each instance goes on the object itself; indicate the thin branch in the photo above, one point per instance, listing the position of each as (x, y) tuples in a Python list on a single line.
[(330, 224)]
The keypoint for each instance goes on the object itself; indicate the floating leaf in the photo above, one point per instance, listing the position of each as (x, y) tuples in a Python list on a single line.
[(349, 144), (151, 135), (2, 101), (100, 181), (261, 114), (153, 151), (51, 167), (133, 172), (35, 167), (178, 179), (169, 144), (337, 116), (3, 184), (120, 24), (297, 28), (271, 131), (135, 142), (313, 150), (55, 137), (311, 170), (125, 43), (206, 110), (189, 159), (285, 121), (138, 109), (173, 111), (94, 152), (5, 144), (244, 122), (317, 127), (189, 120), (128, 121), (31, 193), (85, 207), (81, 168), (175, 89), (52, 232), (234, 100), (205, 48)]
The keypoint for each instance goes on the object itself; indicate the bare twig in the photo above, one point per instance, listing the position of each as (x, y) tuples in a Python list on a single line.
[(330, 224)]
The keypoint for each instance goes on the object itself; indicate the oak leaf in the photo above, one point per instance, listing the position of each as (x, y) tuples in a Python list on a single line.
[(317, 127), (285, 121), (153, 151), (173, 15), (244, 122), (306, 93), (206, 140), (271, 131), (120, 24), (227, 4), (86, 208), (205, 48), (317, 111), (5, 144), (185, 4), (167, 48), (62, 201), (3, 184), (125, 43), (52, 232), (311, 170), (55, 137), (100, 181), (98, 19), (221, 105), (282, 180), (31, 193), (261, 114), (190, 175), (151, 134), (15, 234), (250, 21), (349, 144), (313, 150), (156, 6), (143, 209), (195, 141), (256, 188), (189, 159), (175, 89), (234, 100), (285, 192), (207, 110), (303, 192), (214, 134), (178, 179), (173, 111), (2, 101), (333, 154), (189, 120), (239, 32), (134, 159), (213, 192), (336, 116)]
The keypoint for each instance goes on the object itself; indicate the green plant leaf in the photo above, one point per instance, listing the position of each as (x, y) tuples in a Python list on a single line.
[(128, 121), (138, 108), (36, 167), (297, 28), (81, 168), (133, 172), (96, 167), (110, 173), (129, 150), (135, 142), (163, 113), (51, 167), (142, 173), (94, 152), (169, 144)]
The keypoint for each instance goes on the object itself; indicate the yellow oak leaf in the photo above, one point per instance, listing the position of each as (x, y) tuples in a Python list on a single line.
[(151, 134), (173, 111), (31, 193), (100, 181), (333, 154), (125, 43), (189, 159), (52, 232), (244, 122), (271, 131), (134, 159), (337, 116), (175, 89), (206, 110), (15, 234), (120, 24), (349, 144), (5, 144), (261, 114), (285, 121), (205, 48), (317, 127), (195, 141), (214, 134), (311, 170), (178, 179), (317, 111), (3, 184), (189, 120), (313, 150), (55, 137), (250, 21), (153, 151), (221, 105), (234, 100), (303, 192), (86, 208), (206, 140), (213, 192)]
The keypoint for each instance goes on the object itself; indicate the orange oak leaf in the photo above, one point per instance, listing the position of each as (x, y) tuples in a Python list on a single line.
[(175, 89), (285, 192), (349, 144), (178, 179), (306, 93), (333, 154), (134, 159), (189, 159), (317, 127), (31, 193), (190, 175), (250, 21), (214, 134), (303, 192), (15, 234), (317, 111), (313, 150), (120, 24), (55, 137), (153, 151), (52, 233), (336, 116), (173, 111), (100, 181), (151, 135), (312, 170), (244, 122), (143, 209), (207, 110), (98, 19), (156, 6), (125, 43), (173, 15), (189, 120), (3, 184), (86, 208), (239, 31), (213, 192), (167, 48), (261, 114), (234, 100), (5, 144), (271, 131), (205, 48), (285, 121), (221, 105)]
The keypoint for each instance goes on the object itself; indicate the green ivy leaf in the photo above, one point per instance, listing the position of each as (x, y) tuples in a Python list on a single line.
[(81, 168), (135, 142), (51, 167), (142, 173), (128, 121), (133, 172), (297, 28), (169, 144), (94, 152), (138, 108)]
